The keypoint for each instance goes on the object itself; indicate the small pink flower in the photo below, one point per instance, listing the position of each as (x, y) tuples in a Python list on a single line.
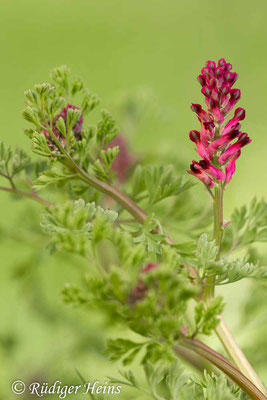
[(234, 148), (198, 172), (230, 167), (202, 114), (214, 172), (235, 95), (201, 149), (223, 140), (239, 116)]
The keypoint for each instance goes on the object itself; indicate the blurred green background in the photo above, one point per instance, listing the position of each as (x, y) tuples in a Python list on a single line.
[(118, 46)]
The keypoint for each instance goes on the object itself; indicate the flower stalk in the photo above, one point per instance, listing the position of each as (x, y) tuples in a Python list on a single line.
[(222, 331), (214, 144), (217, 234)]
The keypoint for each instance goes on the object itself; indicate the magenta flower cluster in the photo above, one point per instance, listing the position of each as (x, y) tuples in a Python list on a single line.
[(77, 128), (218, 143)]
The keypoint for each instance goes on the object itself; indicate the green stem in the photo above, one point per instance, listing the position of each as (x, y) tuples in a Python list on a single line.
[(190, 357), (225, 366), (217, 235), (31, 195), (237, 355), (103, 187), (218, 217)]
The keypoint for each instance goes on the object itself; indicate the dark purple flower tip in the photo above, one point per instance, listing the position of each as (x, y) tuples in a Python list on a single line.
[(234, 134), (225, 89), (194, 136), (209, 125), (198, 172), (202, 114), (193, 168), (206, 91), (206, 72), (219, 73), (231, 77), (213, 103), (240, 114), (222, 63), (197, 108), (204, 164), (215, 173), (243, 139), (235, 94), (201, 79), (211, 65)]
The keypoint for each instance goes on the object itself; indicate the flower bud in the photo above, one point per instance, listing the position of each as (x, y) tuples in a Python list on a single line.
[(201, 80)]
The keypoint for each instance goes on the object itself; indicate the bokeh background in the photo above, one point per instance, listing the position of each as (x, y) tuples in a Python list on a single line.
[(120, 47)]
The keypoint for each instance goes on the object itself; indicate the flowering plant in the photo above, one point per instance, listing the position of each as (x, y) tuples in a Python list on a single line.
[(159, 288)]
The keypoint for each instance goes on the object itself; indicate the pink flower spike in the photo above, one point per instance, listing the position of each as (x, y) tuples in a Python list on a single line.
[(218, 141), (211, 170), (230, 167), (197, 171), (234, 148)]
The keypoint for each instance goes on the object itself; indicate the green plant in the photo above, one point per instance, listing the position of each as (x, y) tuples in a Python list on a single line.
[(163, 291)]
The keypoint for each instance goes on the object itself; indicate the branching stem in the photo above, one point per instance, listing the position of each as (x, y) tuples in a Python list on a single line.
[(30, 195)]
